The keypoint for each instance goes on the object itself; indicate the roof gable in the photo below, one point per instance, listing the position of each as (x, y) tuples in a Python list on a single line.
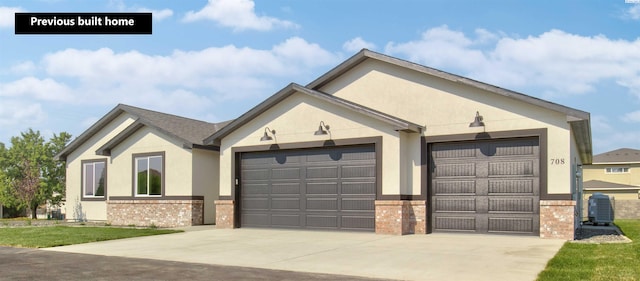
[(397, 123), (622, 155), (579, 120), (188, 131)]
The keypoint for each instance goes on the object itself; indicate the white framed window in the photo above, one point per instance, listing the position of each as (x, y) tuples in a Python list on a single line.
[(616, 170), (94, 179), (148, 174)]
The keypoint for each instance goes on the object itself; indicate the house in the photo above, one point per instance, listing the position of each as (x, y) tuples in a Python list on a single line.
[(617, 174), (386, 145), (376, 144), (141, 167)]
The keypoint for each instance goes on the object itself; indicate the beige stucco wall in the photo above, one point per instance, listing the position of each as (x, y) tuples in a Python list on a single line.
[(205, 180), (617, 194), (447, 108), (296, 118), (597, 172), (178, 163), (90, 210)]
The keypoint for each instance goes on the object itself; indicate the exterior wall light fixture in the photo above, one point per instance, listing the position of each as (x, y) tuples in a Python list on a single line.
[(266, 136), (477, 122), (322, 129)]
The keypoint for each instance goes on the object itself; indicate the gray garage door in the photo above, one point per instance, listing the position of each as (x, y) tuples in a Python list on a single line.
[(486, 186), (328, 188)]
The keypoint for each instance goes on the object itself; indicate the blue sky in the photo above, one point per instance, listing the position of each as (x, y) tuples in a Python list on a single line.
[(213, 60)]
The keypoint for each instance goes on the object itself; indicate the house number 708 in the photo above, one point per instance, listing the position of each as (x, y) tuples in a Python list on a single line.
[(557, 161)]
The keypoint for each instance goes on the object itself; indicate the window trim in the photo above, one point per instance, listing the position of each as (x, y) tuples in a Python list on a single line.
[(608, 170), (134, 175), (84, 197)]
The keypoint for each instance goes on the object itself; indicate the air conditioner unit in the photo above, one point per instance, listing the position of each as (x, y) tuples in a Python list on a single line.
[(600, 209)]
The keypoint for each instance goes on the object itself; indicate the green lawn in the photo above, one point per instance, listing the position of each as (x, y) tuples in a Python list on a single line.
[(598, 261), (51, 236)]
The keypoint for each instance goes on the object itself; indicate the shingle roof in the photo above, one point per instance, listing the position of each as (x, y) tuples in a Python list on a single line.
[(622, 155), (188, 131), (596, 184)]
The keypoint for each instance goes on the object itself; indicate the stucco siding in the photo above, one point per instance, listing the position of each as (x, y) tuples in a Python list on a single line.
[(178, 163), (76, 209), (447, 108), (597, 172), (295, 120), (205, 180)]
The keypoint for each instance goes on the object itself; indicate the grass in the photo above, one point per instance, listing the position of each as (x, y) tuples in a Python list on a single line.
[(43, 237), (577, 261)]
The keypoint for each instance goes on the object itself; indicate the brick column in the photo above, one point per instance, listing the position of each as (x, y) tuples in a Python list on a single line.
[(225, 214), (557, 219), (399, 217)]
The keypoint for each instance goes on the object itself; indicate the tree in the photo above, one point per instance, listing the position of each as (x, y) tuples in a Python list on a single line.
[(29, 176)]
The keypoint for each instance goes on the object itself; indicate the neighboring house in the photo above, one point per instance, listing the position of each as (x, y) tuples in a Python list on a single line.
[(615, 173), (381, 144), (375, 144), (141, 167)]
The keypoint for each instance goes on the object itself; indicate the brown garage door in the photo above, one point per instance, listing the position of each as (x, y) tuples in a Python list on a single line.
[(486, 186), (328, 188)]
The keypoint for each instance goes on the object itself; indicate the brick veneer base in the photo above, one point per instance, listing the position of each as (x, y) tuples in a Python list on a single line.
[(161, 213), (401, 217), (224, 214), (557, 219)]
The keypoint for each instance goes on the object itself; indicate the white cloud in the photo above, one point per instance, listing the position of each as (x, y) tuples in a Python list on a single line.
[(633, 12), (237, 14), (27, 67), (41, 89), (356, 44), (157, 14), (7, 16), (14, 112), (559, 62), (187, 83), (632, 117)]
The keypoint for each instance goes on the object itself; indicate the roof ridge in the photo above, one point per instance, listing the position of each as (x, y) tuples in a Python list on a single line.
[(166, 114)]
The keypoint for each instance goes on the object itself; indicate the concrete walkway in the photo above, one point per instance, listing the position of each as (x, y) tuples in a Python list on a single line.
[(411, 257)]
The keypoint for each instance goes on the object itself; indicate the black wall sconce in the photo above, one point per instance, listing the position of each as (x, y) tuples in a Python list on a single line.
[(321, 129), (266, 136), (477, 122)]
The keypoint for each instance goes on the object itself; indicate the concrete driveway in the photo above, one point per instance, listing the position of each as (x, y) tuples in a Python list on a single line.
[(411, 257)]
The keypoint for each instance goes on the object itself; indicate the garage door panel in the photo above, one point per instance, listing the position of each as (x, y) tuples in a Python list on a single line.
[(256, 219), (361, 171), (284, 188), (448, 223), (285, 204), (255, 189), (285, 173), (255, 174), (330, 172), (511, 186), (456, 170), (285, 220), (357, 204), (357, 222), (512, 225), (322, 204), (255, 203), (319, 188), (329, 188), (455, 187), (358, 188), (512, 168), (496, 190), (455, 151), (456, 204), (512, 205)]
